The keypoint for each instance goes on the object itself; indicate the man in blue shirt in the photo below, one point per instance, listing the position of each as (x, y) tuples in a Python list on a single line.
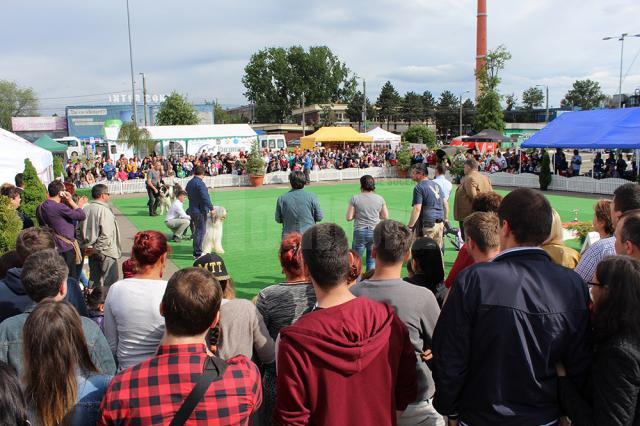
[(297, 210), (199, 207), (307, 168), (427, 216)]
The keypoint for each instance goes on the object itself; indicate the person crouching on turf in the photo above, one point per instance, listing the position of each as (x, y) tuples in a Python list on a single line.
[(177, 219)]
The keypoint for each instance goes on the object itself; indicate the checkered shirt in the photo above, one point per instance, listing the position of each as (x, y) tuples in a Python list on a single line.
[(586, 268), (151, 392)]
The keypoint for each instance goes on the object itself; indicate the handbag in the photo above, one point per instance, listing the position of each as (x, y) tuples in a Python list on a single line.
[(214, 369)]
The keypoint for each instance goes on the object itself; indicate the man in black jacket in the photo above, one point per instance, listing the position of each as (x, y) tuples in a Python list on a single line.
[(505, 325)]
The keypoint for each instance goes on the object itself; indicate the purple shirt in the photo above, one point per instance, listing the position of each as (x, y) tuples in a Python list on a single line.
[(60, 218)]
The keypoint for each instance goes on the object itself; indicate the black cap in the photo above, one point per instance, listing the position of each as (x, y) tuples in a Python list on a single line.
[(214, 264)]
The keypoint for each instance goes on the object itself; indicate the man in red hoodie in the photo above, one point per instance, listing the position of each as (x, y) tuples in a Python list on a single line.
[(348, 362)]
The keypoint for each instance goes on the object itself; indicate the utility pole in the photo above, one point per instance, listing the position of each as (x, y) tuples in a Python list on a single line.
[(460, 131), (133, 81), (303, 119), (621, 40), (364, 105), (144, 96)]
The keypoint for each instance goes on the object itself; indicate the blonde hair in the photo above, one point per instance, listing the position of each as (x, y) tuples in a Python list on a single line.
[(556, 234)]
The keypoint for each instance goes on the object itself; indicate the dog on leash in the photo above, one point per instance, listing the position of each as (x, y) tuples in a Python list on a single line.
[(166, 198), (213, 231)]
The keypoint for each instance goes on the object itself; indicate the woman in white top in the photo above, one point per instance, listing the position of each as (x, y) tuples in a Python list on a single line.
[(133, 325)]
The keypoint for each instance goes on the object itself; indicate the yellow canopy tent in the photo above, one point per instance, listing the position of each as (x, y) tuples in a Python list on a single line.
[(333, 134)]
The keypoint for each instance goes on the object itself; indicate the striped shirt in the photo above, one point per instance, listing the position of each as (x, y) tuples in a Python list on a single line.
[(593, 255), (282, 304)]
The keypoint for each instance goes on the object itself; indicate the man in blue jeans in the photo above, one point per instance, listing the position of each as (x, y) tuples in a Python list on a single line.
[(199, 207), (367, 209)]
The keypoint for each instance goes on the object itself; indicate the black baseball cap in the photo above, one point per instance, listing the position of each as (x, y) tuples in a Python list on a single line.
[(214, 264)]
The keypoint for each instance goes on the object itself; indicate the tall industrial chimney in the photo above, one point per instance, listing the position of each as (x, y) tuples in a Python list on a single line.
[(481, 40)]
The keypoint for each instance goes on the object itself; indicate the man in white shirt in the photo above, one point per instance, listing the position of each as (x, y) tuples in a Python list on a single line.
[(177, 219), (445, 185)]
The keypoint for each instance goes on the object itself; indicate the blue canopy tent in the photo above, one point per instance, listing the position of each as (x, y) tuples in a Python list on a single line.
[(596, 129)]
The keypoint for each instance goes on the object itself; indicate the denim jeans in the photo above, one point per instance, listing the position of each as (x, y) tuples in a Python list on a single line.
[(363, 240)]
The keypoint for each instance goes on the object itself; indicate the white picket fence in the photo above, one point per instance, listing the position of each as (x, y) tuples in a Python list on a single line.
[(525, 180)]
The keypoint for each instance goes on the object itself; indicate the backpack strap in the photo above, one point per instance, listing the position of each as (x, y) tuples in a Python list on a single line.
[(214, 369)]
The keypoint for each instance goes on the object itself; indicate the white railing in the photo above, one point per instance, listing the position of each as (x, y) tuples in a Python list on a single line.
[(580, 184)]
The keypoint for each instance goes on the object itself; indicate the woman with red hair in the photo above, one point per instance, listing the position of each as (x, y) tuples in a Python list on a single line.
[(133, 325), (282, 304)]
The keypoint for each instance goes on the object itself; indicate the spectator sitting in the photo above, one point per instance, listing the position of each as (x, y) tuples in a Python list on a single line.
[(132, 324), (190, 307), (122, 175), (611, 397), (44, 275), (416, 306), (241, 329), (428, 269), (555, 247), (14, 298), (13, 407), (177, 219), (323, 361), (282, 304), (62, 384)]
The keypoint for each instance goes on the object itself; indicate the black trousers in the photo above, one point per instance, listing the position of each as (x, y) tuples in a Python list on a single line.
[(154, 201), (70, 259)]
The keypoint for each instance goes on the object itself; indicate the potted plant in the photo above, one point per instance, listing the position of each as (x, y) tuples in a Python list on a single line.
[(255, 165), (403, 158)]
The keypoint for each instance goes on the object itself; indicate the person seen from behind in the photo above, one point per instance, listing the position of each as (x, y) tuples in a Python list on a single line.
[(427, 267), (323, 360), (297, 210), (555, 246)]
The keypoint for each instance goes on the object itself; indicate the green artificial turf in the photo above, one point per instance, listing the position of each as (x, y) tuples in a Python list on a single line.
[(251, 235)]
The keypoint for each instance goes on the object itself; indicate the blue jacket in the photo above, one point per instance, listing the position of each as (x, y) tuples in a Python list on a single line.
[(11, 343), (14, 299), (503, 328), (199, 200)]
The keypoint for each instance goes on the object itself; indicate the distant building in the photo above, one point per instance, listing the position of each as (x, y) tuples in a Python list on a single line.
[(244, 113), (313, 114)]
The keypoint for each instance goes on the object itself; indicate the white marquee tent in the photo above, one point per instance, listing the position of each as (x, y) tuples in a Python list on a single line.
[(382, 136), (14, 150)]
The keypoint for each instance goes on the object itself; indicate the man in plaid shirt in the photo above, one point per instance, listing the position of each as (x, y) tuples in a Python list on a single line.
[(151, 392)]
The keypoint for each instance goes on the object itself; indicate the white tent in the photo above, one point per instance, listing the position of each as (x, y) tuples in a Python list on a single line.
[(14, 150), (382, 136)]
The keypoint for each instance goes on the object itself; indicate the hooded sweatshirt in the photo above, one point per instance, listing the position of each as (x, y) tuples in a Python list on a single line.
[(345, 365)]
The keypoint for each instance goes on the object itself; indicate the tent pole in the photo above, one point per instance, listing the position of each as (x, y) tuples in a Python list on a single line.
[(519, 160)]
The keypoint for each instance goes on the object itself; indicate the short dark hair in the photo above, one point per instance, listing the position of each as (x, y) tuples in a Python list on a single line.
[(198, 170), (421, 168), (19, 179), (483, 229), (630, 227), (42, 274), (626, 197), (518, 207), (472, 163), (9, 191), (55, 187), (391, 240), (297, 179), (33, 240), (181, 193), (98, 190), (441, 169), (367, 183), (325, 251), (191, 302), (486, 202)]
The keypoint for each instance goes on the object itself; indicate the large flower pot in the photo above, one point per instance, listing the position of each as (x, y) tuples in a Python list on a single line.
[(403, 174), (257, 180)]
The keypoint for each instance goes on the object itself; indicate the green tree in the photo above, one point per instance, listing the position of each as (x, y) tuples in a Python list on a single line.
[(489, 114), (175, 110), (10, 225), (34, 192), (468, 115), (585, 94), (512, 101), (412, 109), (16, 102), (545, 171), (354, 108), (420, 134), (403, 157), (255, 162), (136, 138), (428, 105), (447, 114), (276, 80), (388, 102), (327, 117), (532, 98), (57, 167)]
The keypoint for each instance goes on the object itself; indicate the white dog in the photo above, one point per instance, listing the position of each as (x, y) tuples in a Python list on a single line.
[(166, 198), (213, 234)]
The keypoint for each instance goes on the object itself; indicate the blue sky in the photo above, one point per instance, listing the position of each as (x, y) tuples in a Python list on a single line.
[(69, 48)]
